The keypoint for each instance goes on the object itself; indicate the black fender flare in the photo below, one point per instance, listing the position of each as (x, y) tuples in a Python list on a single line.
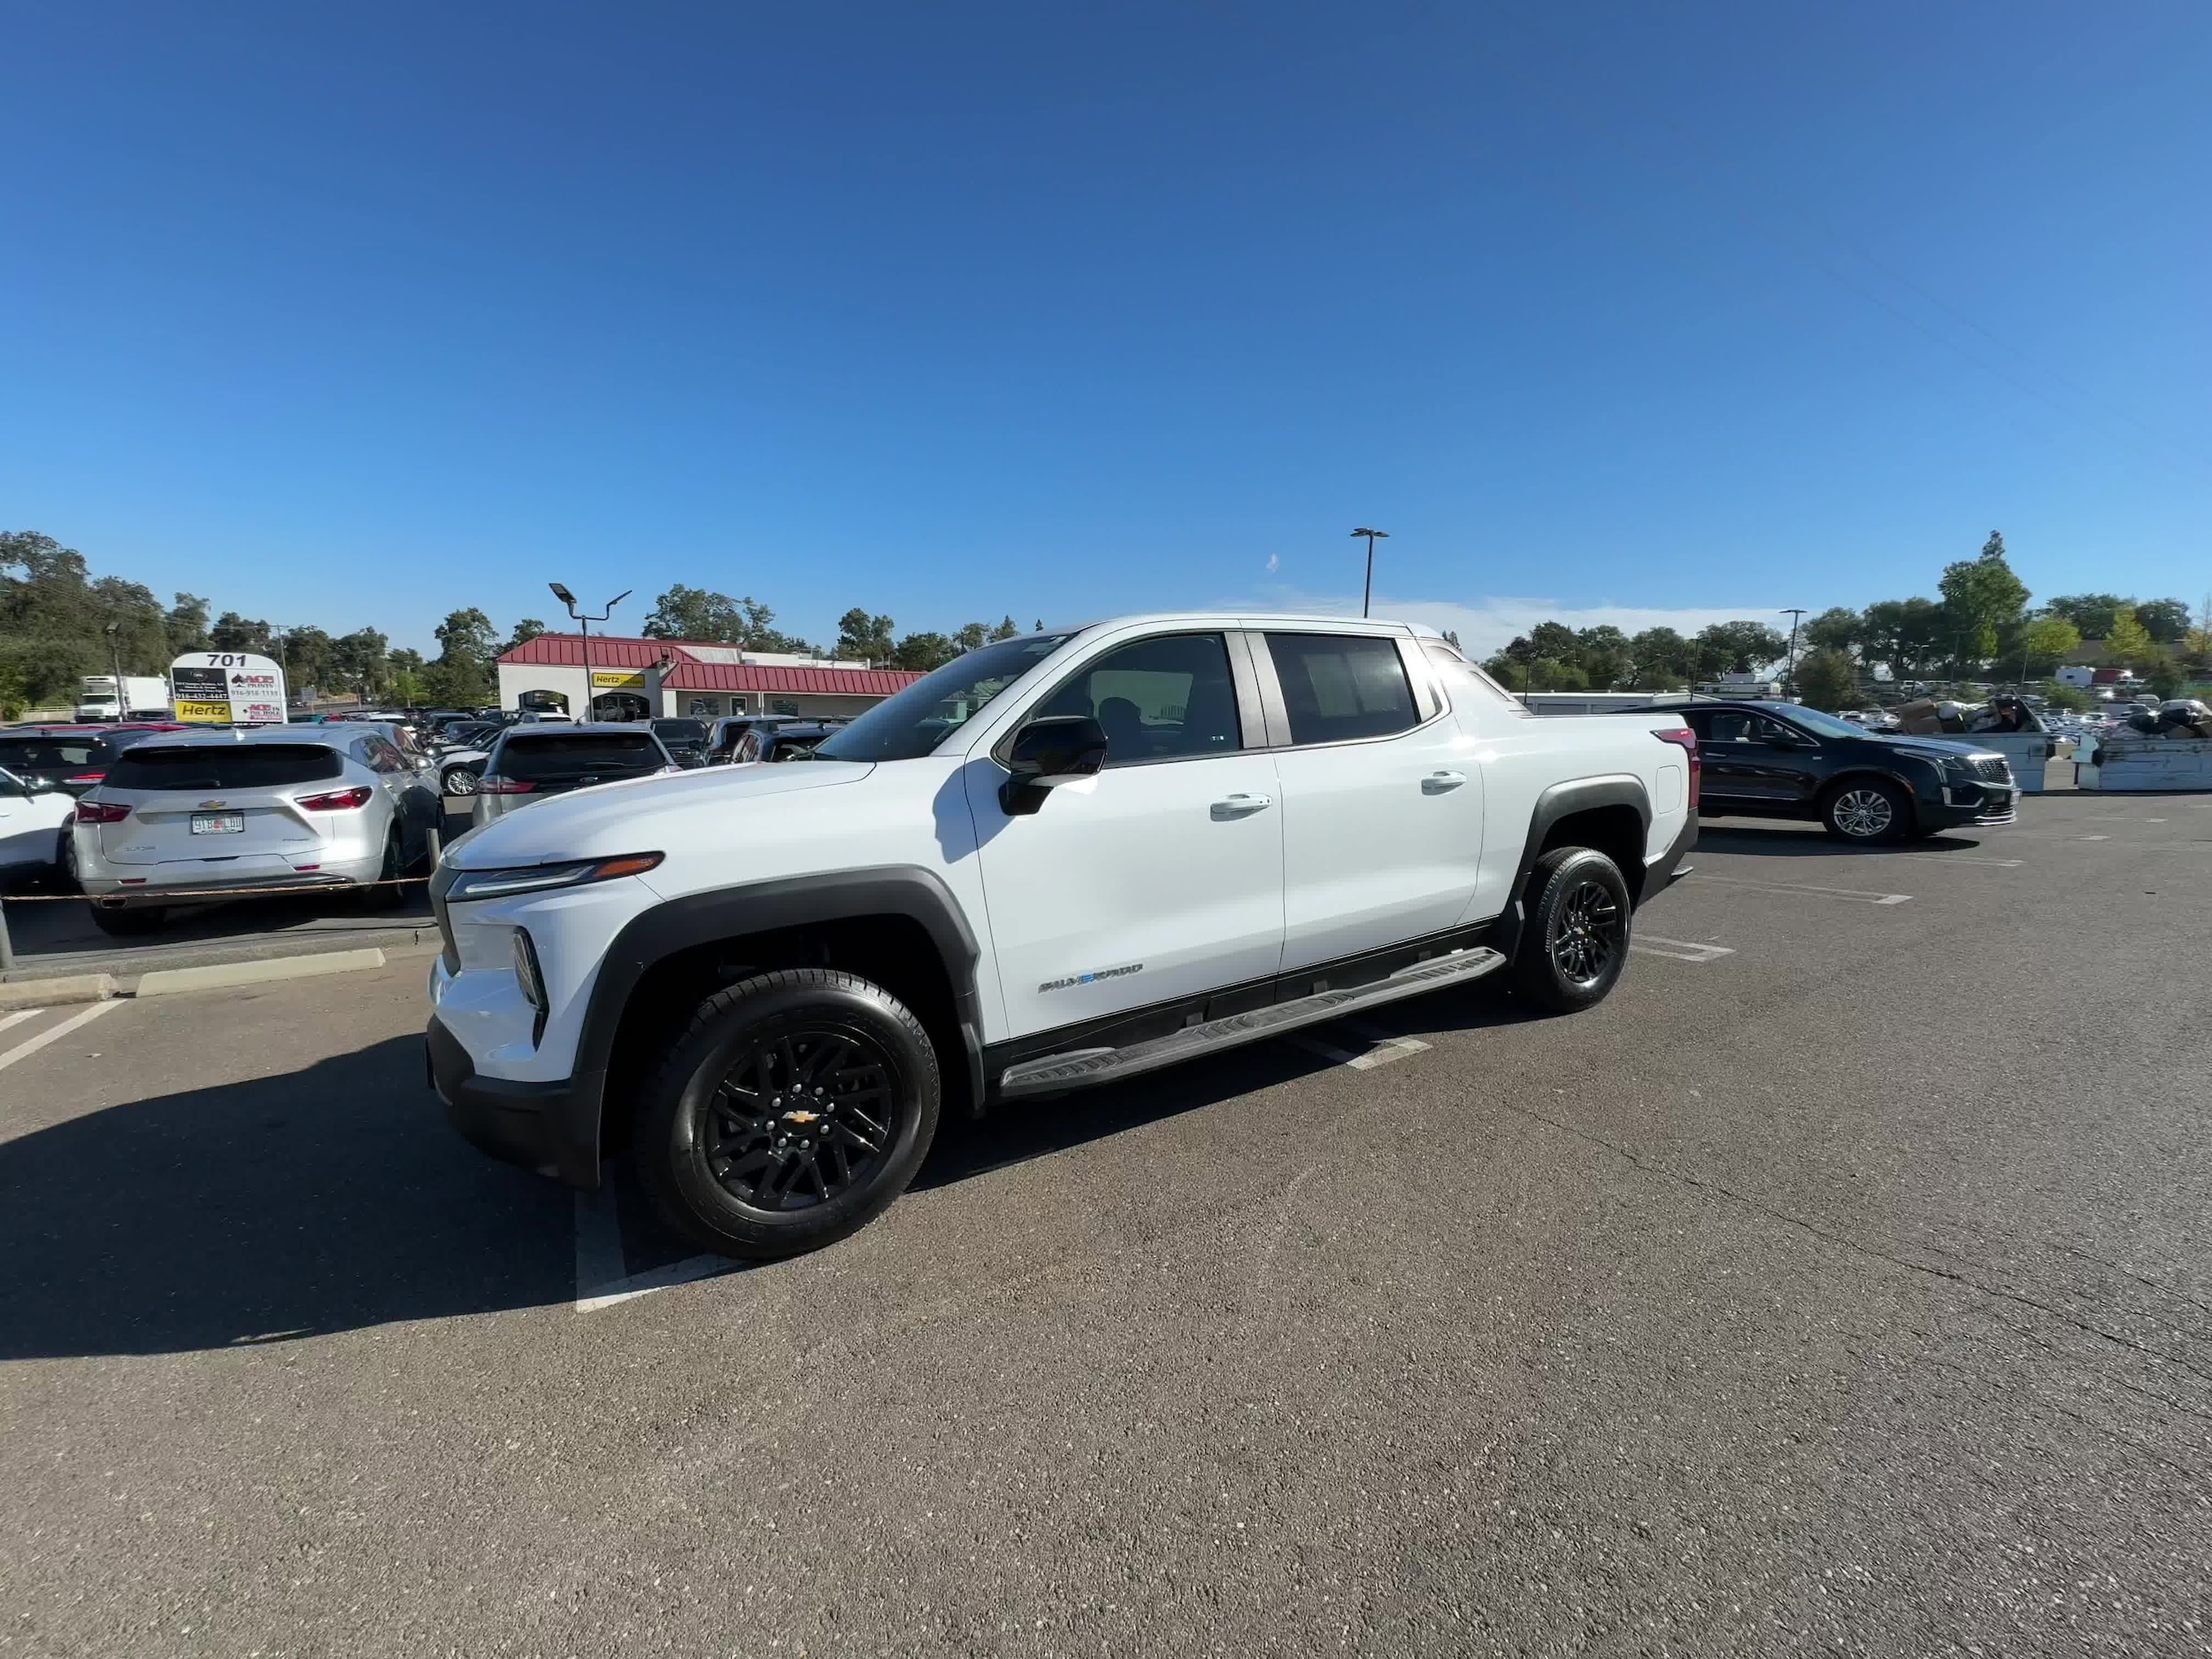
[(1563, 800), (755, 907)]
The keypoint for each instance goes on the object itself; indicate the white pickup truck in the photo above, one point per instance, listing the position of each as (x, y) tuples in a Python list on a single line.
[(1059, 860)]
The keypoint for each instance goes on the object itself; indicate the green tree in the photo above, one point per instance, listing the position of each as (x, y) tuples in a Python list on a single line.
[(307, 655), (2091, 613), (1554, 639), (1604, 656), (1736, 648), (2048, 639), (358, 662), (2164, 678), (463, 676), (234, 632), (695, 613), (1659, 660), (1981, 595), (2165, 620), (1828, 679), (924, 651), (1902, 633), (1837, 628), (1007, 629), (185, 626), (2127, 641), (973, 636), (865, 638), (526, 630)]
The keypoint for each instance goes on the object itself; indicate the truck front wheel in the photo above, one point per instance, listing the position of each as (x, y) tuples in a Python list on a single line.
[(795, 1107), (1575, 942)]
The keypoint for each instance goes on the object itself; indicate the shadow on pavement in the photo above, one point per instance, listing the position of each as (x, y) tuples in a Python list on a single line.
[(321, 1200), (1789, 839), (1020, 1131)]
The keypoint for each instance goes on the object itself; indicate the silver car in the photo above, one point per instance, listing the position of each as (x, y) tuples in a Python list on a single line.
[(531, 762), (194, 815)]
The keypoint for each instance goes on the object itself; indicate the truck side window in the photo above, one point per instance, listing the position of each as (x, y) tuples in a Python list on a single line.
[(1169, 698), (1462, 679), (1340, 685)]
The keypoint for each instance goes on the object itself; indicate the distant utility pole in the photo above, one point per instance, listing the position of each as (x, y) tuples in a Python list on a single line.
[(1793, 613), (584, 619), (1368, 595), (115, 659)]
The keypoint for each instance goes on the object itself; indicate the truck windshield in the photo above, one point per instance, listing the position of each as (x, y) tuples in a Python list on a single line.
[(913, 722)]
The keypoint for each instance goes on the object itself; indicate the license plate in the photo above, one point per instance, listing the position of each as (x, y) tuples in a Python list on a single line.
[(219, 823)]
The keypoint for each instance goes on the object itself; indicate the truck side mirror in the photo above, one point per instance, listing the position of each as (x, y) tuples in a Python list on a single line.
[(1048, 753)]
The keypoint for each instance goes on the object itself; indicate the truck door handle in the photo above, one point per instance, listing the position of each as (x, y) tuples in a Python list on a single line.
[(1239, 806), (1442, 782)]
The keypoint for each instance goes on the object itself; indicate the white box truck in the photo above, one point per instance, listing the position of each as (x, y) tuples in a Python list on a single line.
[(145, 697)]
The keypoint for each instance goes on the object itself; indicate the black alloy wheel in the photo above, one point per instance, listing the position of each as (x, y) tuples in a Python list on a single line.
[(1575, 930), (802, 1116), (1589, 933), (793, 1108)]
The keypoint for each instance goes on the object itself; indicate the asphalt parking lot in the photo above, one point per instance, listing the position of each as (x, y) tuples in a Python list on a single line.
[(1841, 1285)]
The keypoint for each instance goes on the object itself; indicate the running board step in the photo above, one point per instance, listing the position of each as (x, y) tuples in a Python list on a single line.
[(1079, 1067)]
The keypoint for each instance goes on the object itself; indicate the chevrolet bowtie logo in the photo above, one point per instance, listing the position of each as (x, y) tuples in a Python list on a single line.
[(802, 1118)]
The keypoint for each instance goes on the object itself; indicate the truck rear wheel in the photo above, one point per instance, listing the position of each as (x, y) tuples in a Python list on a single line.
[(1575, 942), (793, 1109)]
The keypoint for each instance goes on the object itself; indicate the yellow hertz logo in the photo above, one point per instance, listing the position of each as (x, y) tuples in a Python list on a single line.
[(1086, 978)]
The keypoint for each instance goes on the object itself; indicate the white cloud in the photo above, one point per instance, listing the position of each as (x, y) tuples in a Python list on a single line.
[(1483, 625), (1274, 562)]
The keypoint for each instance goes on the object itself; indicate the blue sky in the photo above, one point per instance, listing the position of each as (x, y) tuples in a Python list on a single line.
[(1644, 314)]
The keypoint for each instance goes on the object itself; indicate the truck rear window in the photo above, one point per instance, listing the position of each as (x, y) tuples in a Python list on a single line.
[(220, 766), (573, 755)]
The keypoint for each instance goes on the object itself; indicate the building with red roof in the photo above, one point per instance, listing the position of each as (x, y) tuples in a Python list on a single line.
[(632, 678)]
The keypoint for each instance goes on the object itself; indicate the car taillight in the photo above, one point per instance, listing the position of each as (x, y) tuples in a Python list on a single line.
[(497, 785), (336, 801), (1687, 740), (85, 777), (102, 813)]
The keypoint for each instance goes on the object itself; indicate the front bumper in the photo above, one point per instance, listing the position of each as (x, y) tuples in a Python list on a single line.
[(1971, 805), (533, 1124)]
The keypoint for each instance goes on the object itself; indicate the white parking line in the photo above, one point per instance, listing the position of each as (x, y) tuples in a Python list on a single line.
[(33, 1045), (603, 1271), (1950, 859), (1681, 949), (2089, 837), (1386, 1048), (19, 1016), (1855, 893)]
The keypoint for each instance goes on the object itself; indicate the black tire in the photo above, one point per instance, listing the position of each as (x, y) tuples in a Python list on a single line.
[(382, 896), (125, 923), (1867, 811), (65, 863), (731, 1165), (1575, 940)]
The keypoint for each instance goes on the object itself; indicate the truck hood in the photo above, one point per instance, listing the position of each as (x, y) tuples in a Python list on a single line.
[(639, 814)]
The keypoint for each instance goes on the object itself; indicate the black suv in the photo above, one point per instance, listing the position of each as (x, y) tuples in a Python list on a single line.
[(1779, 760)]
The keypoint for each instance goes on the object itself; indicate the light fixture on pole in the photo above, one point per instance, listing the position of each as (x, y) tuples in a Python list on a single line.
[(1367, 594), (1790, 676), (583, 621)]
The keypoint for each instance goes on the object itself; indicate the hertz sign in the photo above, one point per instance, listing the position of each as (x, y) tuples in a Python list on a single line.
[(226, 688)]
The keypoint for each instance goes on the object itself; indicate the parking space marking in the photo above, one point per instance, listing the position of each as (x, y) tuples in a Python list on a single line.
[(1952, 858), (32, 1045), (1681, 949), (2089, 837), (1855, 894), (19, 1016), (603, 1271), (1386, 1048)]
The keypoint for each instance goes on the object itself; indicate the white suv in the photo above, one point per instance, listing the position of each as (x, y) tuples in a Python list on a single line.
[(1059, 860), (191, 816)]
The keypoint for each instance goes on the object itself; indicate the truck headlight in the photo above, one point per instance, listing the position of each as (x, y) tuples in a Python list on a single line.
[(499, 884)]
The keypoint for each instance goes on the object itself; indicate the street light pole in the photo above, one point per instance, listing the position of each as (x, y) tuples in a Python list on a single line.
[(583, 621), (1793, 613), (115, 662), (1367, 594)]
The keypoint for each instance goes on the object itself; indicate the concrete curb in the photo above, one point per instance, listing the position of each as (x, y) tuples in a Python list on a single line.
[(62, 987), (221, 976)]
